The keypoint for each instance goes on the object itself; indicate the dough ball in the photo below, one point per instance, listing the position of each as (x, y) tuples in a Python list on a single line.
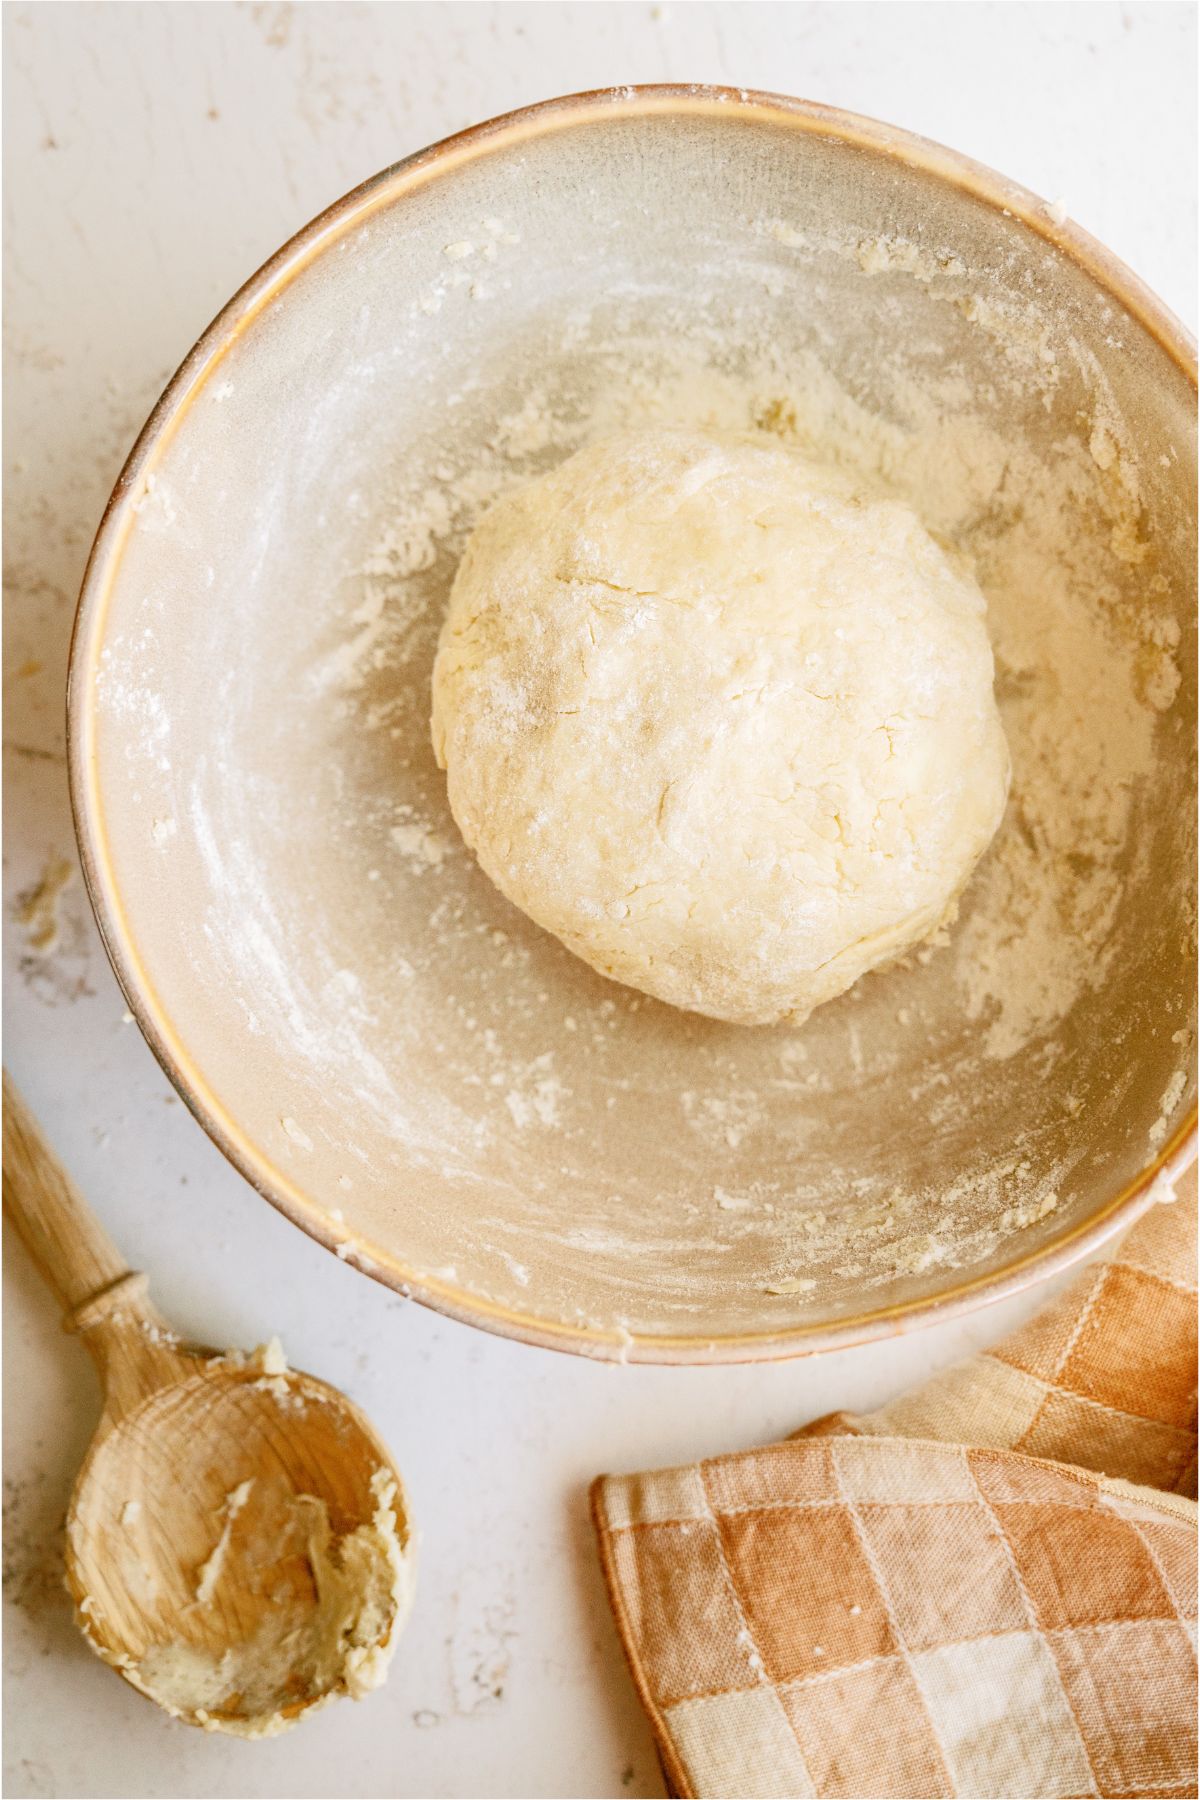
[(718, 719)]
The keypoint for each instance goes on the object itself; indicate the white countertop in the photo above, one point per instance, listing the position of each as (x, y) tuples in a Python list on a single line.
[(155, 156)]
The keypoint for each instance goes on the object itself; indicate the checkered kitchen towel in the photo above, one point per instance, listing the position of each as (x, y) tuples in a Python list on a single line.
[(989, 1587)]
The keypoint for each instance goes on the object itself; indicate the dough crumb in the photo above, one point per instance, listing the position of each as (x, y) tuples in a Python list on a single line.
[(38, 911)]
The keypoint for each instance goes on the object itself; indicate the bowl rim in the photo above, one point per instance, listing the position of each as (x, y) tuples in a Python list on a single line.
[(252, 1160)]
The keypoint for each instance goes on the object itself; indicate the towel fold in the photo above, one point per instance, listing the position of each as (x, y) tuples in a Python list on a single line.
[(986, 1588)]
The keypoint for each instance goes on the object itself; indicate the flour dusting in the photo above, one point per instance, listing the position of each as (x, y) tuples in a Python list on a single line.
[(578, 1150)]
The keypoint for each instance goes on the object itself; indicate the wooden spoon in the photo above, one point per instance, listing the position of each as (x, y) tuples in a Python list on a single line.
[(238, 1542)]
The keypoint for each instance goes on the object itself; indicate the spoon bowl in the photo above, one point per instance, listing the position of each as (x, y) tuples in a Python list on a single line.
[(194, 1538), (238, 1543)]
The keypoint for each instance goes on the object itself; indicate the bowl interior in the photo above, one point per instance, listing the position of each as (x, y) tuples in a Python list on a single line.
[(388, 1046)]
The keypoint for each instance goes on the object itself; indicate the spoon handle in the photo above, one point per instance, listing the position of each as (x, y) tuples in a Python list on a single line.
[(73, 1252), (133, 1347)]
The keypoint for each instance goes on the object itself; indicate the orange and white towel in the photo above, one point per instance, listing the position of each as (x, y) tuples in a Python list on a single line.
[(986, 1588)]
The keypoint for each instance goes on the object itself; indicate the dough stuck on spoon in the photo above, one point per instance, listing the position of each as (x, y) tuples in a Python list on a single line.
[(719, 719), (306, 1572)]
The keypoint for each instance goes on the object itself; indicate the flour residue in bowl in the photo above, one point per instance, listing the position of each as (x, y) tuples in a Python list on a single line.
[(1037, 930), (524, 1108), (1032, 944)]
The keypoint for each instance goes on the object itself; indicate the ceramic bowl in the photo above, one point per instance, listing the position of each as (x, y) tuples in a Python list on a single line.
[(415, 1074)]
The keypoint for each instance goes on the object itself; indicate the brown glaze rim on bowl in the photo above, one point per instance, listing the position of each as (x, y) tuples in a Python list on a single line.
[(571, 111)]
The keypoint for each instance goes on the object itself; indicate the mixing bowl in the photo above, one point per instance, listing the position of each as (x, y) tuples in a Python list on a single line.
[(408, 1069)]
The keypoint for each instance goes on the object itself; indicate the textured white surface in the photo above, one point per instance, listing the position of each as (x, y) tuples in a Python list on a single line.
[(155, 155)]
